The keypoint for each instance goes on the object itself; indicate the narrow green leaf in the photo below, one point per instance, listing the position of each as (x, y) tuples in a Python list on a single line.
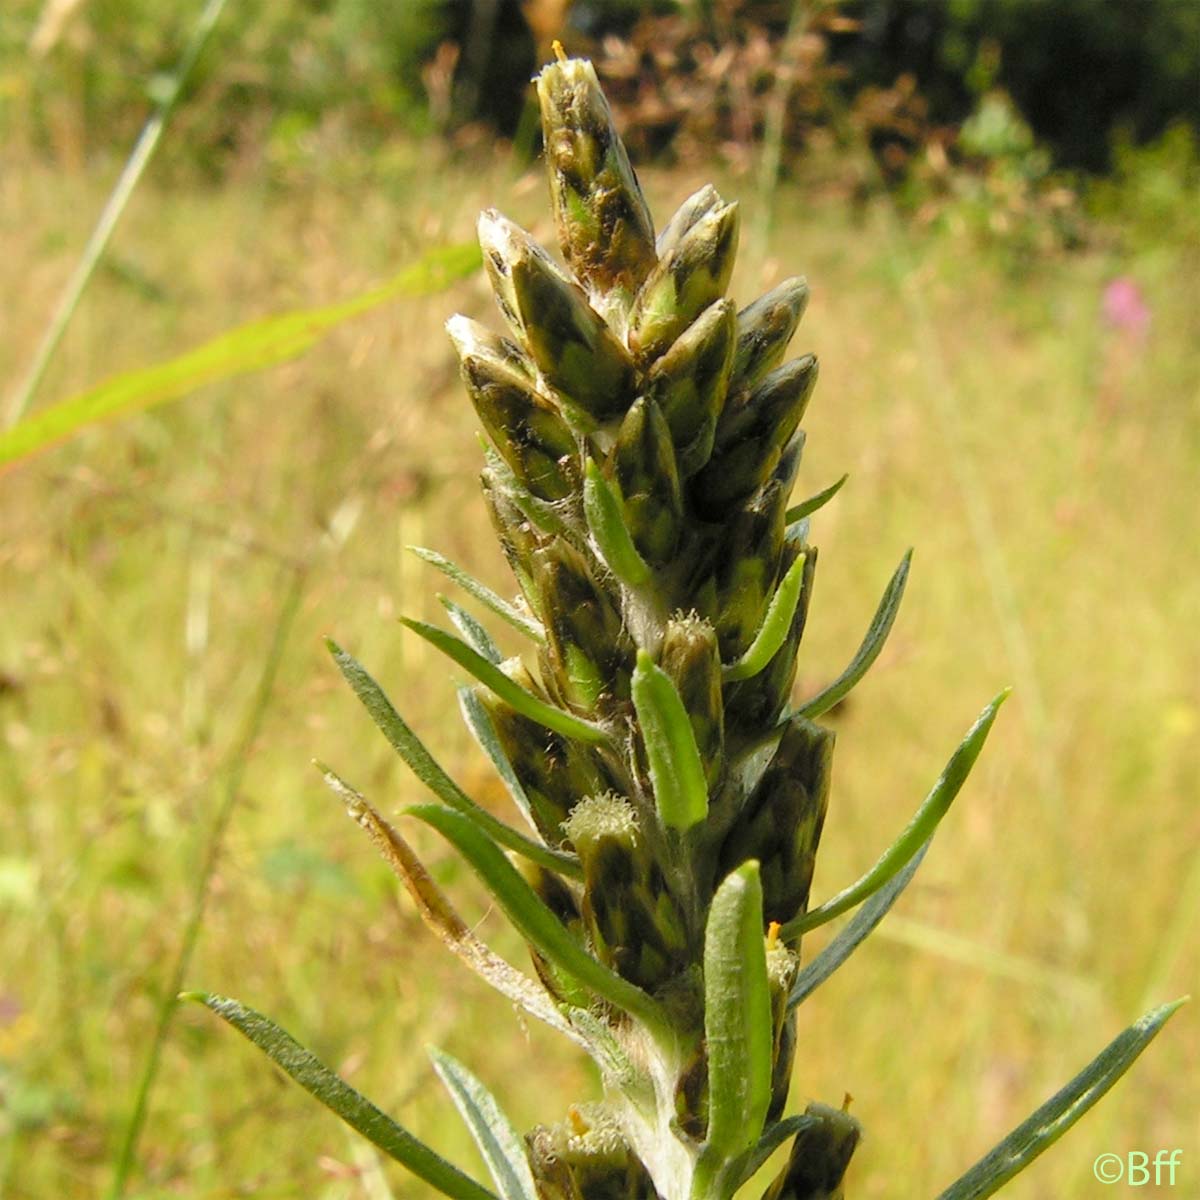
[(500, 1144), (426, 768), (915, 834), (773, 1137), (774, 629), (1041, 1130), (868, 652), (478, 720), (335, 1093), (807, 507), (606, 521), (737, 1024), (857, 929), (533, 919), (491, 676), (676, 770), (484, 594), (251, 347), (476, 635)]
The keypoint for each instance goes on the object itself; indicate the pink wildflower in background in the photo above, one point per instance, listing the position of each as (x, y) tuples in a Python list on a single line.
[(1125, 308)]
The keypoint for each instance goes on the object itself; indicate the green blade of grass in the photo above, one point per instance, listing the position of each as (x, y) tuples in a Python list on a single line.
[(338, 1096), (1041, 1130), (427, 769), (526, 703), (250, 347), (868, 652), (915, 834), (534, 920), (498, 1142)]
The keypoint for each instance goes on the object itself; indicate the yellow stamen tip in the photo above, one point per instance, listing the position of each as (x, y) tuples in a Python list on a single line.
[(773, 934), (559, 52), (577, 1122), (846, 1102)]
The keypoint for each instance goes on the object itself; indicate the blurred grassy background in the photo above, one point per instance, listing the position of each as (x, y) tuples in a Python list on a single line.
[(1041, 458)]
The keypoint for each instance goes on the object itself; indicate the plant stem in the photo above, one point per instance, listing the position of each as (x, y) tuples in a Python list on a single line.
[(212, 853)]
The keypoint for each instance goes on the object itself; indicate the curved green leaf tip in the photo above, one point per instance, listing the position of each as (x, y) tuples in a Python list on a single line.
[(918, 831), (774, 629), (1045, 1126), (807, 507), (492, 677), (872, 643), (337, 1095)]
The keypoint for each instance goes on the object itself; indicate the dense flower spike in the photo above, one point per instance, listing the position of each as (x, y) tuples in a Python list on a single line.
[(644, 442)]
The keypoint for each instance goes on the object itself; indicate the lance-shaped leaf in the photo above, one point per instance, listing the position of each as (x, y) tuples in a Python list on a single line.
[(476, 635), (439, 914), (426, 768), (807, 507), (495, 679), (484, 594), (534, 920), (1040, 1131), (857, 929), (915, 834), (774, 629), (606, 522), (336, 1094), (676, 771), (737, 1024), (868, 652), (500, 1144), (479, 722)]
